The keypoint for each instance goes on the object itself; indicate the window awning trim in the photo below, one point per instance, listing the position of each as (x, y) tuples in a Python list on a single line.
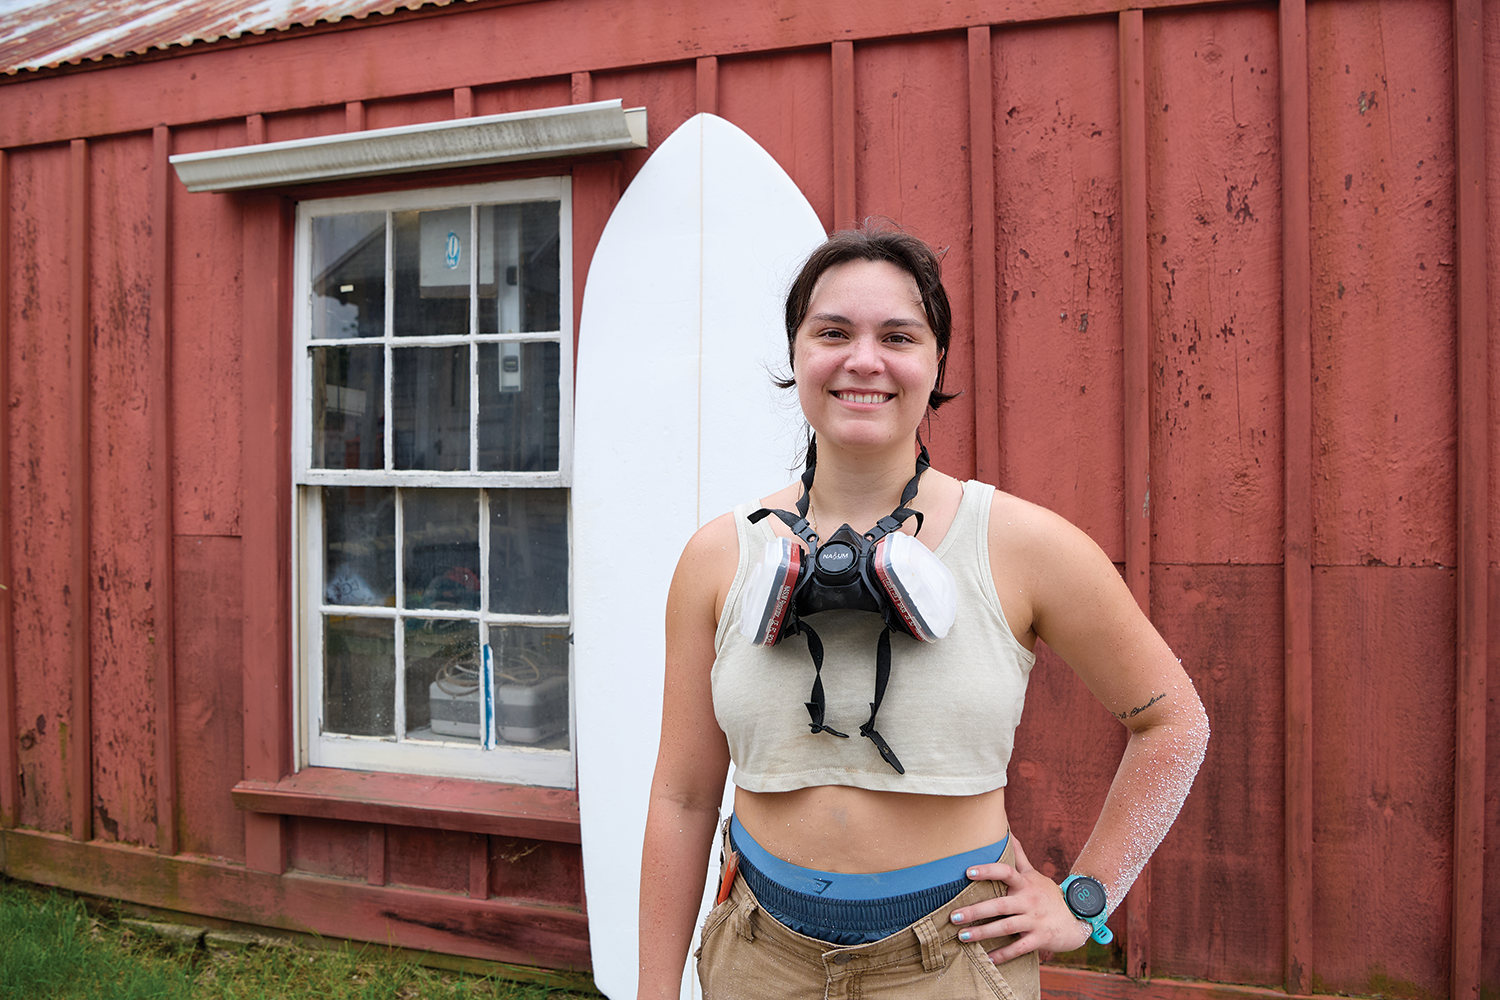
[(523, 135)]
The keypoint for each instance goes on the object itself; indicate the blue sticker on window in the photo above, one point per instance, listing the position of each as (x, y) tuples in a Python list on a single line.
[(452, 250)]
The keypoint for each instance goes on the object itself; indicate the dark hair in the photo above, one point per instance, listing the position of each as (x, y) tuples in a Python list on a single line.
[(873, 240)]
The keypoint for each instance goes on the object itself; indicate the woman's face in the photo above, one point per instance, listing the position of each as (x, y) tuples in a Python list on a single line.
[(865, 358)]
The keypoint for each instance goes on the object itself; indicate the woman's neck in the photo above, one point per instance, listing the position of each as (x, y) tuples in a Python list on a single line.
[(859, 490)]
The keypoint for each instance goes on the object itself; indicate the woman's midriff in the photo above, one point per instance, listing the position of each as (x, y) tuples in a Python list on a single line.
[(838, 829)]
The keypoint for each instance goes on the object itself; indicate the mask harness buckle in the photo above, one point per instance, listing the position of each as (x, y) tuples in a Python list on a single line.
[(852, 590)]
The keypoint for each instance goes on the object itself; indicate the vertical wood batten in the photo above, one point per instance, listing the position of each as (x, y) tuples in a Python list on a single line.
[(987, 457), (163, 587), (1137, 395), (479, 866), (10, 762), (1297, 599), (597, 187), (1472, 500), (265, 521), (1136, 306), (843, 134), (375, 855), (80, 713), (708, 85), (354, 116), (463, 102), (581, 88)]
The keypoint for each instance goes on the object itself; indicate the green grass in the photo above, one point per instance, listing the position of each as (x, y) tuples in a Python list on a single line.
[(52, 947)]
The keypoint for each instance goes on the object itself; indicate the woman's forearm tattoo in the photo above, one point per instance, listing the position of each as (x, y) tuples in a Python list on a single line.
[(1122, 716)]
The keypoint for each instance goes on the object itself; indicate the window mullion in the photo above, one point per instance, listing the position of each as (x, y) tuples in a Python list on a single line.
[(400, 624), (387, 438), (473, 332), (484, 595)]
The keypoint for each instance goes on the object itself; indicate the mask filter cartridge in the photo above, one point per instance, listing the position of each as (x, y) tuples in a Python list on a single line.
[(919, 586), (768, 592)]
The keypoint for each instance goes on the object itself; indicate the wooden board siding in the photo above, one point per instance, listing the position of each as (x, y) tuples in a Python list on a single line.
[(1219, 276), (38, 506), (1057, 183), (1215, 287), (1382, 205)]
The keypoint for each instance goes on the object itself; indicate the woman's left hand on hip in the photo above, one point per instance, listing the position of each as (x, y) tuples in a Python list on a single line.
[(1033, 909)]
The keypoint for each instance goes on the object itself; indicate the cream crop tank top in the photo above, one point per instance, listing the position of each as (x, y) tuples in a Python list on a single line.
[(950, 710)]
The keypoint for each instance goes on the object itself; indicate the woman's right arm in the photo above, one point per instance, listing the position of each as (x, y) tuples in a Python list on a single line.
[(688, 785)]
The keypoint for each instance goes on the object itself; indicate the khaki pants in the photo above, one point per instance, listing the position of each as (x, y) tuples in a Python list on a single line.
[(747, 954)]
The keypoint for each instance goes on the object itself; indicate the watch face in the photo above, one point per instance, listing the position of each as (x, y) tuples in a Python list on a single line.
[(1085, 896)]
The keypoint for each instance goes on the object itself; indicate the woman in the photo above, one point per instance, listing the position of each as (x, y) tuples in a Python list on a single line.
[(884, 863)]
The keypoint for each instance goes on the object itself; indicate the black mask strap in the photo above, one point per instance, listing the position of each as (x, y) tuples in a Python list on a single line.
[(805, 500), (882, 675), (798, 522), (802, 528), (816, 707), (893, 521)]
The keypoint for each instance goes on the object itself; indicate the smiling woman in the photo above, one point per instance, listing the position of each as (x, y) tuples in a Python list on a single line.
[(876, 863), (865, 358)]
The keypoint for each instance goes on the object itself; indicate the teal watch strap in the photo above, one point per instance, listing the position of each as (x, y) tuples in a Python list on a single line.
[(1085, 897)]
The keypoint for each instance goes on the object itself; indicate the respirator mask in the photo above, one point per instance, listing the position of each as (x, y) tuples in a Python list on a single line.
[(882, 571)]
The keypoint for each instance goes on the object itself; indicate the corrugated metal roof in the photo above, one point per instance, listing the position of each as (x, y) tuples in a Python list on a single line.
[(38, 34)]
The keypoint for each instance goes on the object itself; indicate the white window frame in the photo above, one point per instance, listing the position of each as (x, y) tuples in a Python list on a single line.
[(505, 762)]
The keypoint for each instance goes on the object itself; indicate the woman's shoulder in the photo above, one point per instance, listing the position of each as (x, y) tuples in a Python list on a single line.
[(714, 541), (715, 547), (1024, 527)]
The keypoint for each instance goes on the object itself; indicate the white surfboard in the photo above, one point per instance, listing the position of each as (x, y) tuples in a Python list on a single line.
[(676, 421)]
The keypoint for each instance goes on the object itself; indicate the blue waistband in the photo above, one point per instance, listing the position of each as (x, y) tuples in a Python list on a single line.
[(872, 885), (852, 908)]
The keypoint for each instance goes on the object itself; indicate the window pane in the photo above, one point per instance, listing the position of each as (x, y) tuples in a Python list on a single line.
[(432, 272), (430, 400), (525, 241), (348, 275), (359, 532), (529, 552), (442, 679), (441, 529), (518, 407), (531, 685), (348, 407), (359, 675)]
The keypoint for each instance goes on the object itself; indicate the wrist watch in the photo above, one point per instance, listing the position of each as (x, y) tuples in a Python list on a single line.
[(1085, 897)]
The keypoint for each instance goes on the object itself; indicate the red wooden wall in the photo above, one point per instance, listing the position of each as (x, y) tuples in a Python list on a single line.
[(1220, 282)]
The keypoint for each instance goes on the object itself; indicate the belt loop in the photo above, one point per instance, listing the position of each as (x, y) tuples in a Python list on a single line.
[(744, 918), (932, 945)]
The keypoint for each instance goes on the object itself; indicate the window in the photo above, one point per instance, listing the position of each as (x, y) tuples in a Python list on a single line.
[(433, 379)]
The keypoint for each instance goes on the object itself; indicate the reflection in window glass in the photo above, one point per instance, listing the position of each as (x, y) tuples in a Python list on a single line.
[(349, 407), (525, 299), (531, 685), (441, 551), (518, 406), (430, 407), (359, 675), (442, 679), (431, 272), (359, 536), (529, 537), (348, 276)]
